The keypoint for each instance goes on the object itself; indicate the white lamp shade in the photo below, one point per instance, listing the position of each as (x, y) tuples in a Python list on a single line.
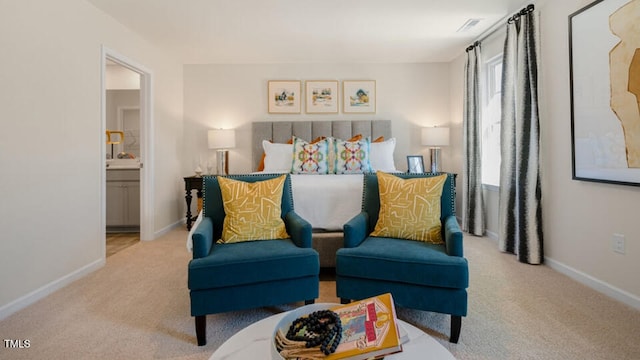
[(435, 136), (222, 139)]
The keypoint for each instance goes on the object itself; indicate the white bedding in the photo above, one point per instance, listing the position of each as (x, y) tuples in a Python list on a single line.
[(327, 201)]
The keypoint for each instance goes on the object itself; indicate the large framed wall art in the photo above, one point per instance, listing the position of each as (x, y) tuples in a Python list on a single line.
[(605, 92)]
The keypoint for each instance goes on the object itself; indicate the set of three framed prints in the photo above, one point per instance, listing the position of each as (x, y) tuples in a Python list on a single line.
[(321, 96)]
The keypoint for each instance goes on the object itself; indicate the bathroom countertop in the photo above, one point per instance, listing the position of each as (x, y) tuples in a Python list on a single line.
[(119, 164)]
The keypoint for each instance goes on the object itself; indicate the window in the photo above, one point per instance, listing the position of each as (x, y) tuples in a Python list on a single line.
[(491, 122)]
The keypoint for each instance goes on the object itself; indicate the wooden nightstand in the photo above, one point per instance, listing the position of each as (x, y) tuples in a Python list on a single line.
[(192, 183)]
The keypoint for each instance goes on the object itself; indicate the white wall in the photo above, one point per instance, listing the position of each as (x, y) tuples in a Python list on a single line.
[(233, 96), (50, 141), (120, 78), (579, 218), (455, 152)]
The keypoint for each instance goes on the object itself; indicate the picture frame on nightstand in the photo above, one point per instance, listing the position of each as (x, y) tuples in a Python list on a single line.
[(415, 164)]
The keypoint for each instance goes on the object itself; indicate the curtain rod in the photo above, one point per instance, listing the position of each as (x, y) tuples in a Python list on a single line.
[(498, 25), (522, 12)]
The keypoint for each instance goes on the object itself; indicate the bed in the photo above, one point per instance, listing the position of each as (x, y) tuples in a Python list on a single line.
[(326, 201)]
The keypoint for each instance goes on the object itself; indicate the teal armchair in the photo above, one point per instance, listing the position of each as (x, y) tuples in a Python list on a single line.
[(419, 275), (235, 276)]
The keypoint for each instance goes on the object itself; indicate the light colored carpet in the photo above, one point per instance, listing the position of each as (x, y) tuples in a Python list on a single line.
[(137, 307)]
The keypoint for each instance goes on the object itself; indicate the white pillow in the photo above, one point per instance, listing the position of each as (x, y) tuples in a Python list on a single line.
[(381, 155), (193, 230), (278, 157)]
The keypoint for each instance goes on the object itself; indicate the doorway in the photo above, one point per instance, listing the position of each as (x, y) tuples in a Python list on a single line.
[(135, 149)]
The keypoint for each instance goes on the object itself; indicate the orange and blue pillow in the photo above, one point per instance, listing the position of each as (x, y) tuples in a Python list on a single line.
[(352, 157), (310, 158)]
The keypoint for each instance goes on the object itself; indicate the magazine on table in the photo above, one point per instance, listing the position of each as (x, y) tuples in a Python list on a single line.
[(369, 329)]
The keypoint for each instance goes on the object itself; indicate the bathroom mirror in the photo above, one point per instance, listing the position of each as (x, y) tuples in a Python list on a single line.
[(123, 111)]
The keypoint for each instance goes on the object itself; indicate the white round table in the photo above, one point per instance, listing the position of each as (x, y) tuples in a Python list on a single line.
[(254, 342)]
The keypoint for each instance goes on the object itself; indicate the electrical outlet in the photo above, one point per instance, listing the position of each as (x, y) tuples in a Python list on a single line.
[(617, 243)]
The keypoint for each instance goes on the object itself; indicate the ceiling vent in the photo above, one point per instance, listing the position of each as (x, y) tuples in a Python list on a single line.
[(468, 25)]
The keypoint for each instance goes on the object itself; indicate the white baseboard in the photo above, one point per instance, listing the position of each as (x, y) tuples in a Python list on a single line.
[(168, 228), (46, 290), (38, 294), (586, 279), (594, 283)]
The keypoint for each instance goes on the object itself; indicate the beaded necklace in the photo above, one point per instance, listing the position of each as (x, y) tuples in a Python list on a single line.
[(321, 327)]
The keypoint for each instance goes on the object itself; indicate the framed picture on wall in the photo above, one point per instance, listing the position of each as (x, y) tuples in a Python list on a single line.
[(322, 97), (284, 96), (359, 96), (415, 164), (605, 88)]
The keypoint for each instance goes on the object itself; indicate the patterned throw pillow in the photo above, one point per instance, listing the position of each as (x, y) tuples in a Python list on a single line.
[(310, 158), (332, 151), (253, 210), (410, 208), (352, 157)]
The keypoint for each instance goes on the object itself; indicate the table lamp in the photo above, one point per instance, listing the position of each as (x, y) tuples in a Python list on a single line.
[(435, 137), (222, 140)]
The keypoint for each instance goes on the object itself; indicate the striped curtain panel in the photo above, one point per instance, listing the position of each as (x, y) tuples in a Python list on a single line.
[(520, 214), (472, 201)]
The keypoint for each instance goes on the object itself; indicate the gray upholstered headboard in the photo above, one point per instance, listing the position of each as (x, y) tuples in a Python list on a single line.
[(281, 132)]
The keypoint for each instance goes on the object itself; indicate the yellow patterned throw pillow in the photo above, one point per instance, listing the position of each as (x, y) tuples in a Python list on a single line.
[(253, 210), (410, 208)]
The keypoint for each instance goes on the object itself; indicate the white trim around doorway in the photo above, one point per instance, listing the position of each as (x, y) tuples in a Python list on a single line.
[(147, 185)]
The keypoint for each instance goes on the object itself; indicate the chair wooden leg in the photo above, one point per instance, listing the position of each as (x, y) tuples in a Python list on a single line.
[(344, 301), (201, 329), (456, 324), (309, 302)]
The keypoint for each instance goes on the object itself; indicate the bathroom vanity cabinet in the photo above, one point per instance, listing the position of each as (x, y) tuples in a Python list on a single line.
[(123, 200)]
